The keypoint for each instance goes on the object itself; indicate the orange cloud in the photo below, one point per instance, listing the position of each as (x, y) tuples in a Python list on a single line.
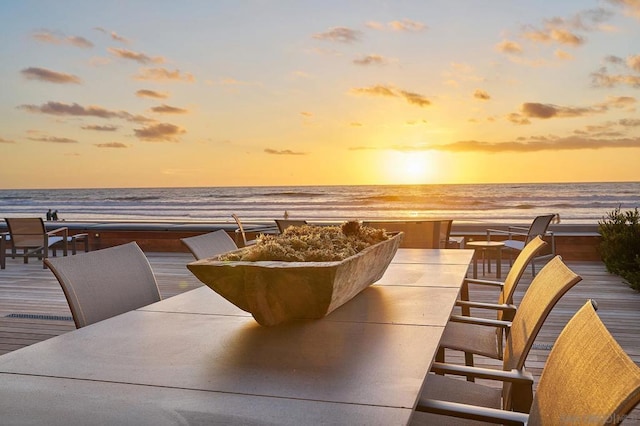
[(387, 91), (282, 152), (163, 74), (143, 93), (49, 37), (42, 74), (481, 94), (111, 145), (135, 56), (370, 60), (507, 46), (339, 34), (159, 132), (62, 109), (100, 128), (53, 139), (166, 109)]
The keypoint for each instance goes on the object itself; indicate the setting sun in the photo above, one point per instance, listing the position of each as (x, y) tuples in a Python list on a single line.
[(411, 167)]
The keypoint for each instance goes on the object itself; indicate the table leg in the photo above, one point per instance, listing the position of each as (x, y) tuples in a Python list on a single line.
[(499, 262), (475, 264), (2, 252)]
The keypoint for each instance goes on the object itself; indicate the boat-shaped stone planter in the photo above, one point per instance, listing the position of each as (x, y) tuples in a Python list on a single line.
[(278, 292)]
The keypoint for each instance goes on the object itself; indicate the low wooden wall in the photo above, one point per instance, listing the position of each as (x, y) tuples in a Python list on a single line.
[(574, 243)]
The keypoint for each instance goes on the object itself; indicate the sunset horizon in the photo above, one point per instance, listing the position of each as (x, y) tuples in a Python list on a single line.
[(154, 94)]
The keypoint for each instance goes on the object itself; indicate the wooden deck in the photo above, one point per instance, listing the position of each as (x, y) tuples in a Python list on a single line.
[(33, 307)]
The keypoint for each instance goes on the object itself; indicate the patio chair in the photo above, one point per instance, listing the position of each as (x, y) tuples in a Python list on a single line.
[(283, 224), (482, 336), (209, 244), (544, 293), (446, 240), (587, 379), (30, 235), (518, 237), (456, 332), (242, 232), (105, 283), (417, 234)]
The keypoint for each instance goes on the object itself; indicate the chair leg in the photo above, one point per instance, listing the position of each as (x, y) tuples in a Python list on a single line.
[(468, 360)]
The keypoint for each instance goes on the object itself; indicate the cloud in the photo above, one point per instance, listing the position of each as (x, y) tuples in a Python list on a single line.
[(282, 152), (481, 94), (630, 7), (565, 31), (508, 46), (160, 132), (113, 35), (517, 118), (562, 54), (45, 36), (62, 109), (633, 62), (405, 25), (370, 60), (42, 74), (163, 74), (560, 36), (555, 144), (306, 114), (2, 140), (521, 145), (629, 122), (110, 145), (388, 91), (52, 139), (166, 109), (544, 111), (602, 78), (100, 128), (135, 56), (339, 34), (143, 93)]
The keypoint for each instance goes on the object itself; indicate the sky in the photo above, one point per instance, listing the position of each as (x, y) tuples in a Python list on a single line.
[(133, 93)]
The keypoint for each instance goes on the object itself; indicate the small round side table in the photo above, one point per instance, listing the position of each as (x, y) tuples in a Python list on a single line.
[(482, 247)]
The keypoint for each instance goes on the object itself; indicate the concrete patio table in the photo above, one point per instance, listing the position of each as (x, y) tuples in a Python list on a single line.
[(197, 359)]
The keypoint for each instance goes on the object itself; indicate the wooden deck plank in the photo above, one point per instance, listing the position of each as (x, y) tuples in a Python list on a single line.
[(31, 290)]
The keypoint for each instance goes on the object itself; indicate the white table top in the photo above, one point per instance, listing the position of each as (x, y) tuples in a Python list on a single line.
[(196, 358)]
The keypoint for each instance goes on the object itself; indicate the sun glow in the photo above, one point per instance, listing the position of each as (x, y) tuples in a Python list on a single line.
[(411, 167)]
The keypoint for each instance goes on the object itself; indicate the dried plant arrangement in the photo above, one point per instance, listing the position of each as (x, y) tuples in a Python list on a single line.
[(311, 243)]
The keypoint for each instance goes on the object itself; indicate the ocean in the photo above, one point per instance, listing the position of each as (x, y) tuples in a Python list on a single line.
[(576, 203)]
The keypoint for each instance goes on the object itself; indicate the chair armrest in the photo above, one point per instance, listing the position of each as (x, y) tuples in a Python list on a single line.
[(467, 411), (513, 376), (519, 229), (484, 282), (63, 229), (486, 305), (480, 321)]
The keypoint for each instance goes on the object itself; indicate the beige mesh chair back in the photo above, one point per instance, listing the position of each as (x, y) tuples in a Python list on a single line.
[(285, 223), (516, 272), (544, 292), (104, 283), (587, 379), (518, 237), (459, 332), (417, 234), (30, 235), (209, 244)]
